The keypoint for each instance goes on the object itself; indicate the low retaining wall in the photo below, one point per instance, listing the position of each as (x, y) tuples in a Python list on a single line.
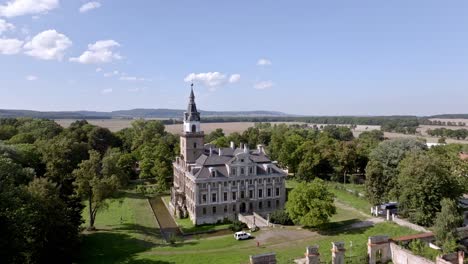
[(403, 256)]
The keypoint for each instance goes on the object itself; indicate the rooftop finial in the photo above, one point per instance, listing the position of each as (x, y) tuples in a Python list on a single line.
[(192, 95)]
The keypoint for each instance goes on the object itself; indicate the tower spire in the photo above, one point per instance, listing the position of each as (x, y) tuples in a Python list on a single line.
[(192, 113)]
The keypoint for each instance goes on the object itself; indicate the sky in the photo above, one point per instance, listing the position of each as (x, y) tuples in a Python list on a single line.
[(326, 57)]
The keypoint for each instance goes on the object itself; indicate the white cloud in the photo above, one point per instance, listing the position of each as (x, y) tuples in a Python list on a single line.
[(263, 85), (48, 45), (89, 6), (137, 89), (110, 74), (209, 79), (31, 78), (5, 26), (133, 79), (10, 46), (98, 69), (15, 8), (107, 91), (234, 78), (264, 62), (99, 52)]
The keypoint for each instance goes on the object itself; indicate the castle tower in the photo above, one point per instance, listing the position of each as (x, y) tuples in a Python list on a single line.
[(192, 138)]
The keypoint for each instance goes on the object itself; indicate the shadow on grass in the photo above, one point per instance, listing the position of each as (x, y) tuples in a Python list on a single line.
[(108, 247), (344, 227), (144, 230)]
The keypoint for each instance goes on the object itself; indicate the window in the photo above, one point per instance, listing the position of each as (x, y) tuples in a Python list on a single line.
[(250, 194), (225, 196), (194, 128), (277, 192), (213, 197), (269, 204), (242, 160), (225, 184), (242, 194), (260, 205), (213, 173), (277, 203), (225, 208), (250, 182), (242, 171), (260, 193), (195, 145), (234, 208), (268, 192), (268, 180), (214, 209), (233, 171), (233, 183), (234, 195), (204, 211), (251, 170), (204, 198), (260, 181)]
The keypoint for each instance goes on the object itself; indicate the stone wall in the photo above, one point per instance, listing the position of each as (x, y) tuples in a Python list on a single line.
[(268, 258), (403, 256)]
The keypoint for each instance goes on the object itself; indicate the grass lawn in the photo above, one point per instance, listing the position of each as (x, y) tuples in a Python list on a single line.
[(351, 200), (136, 238)]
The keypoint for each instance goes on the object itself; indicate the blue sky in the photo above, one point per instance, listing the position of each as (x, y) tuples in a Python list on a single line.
[(302, 57)]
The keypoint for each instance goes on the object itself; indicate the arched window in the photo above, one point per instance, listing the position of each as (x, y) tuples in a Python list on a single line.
[(194, 128)]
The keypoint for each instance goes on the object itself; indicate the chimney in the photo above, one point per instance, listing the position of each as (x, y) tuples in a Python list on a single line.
[(220, 152), (261, 148), (233, 146), (246, 148)]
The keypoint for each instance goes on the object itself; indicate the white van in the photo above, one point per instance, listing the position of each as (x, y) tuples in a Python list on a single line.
[(241, 235)]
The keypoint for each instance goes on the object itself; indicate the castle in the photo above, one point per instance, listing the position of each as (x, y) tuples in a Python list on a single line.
[(212, 184)]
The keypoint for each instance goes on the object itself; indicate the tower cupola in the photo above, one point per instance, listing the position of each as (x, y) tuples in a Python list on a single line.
[(192, 116)]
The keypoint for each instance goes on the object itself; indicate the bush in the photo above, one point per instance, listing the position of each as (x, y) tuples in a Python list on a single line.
[(280, 217), (237, 226)]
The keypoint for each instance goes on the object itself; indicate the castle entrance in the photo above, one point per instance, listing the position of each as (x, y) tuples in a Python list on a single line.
[(242, 208)]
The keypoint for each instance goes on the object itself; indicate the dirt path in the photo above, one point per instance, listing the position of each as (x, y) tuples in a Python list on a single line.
[(370, 221)]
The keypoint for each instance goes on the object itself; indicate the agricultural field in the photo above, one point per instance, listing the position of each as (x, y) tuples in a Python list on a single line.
[(230, 127)]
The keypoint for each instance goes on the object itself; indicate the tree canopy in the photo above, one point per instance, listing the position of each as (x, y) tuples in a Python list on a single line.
[(311, 204)]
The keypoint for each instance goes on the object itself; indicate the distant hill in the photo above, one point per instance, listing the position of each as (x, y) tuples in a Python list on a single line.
[(451, 116), (134, 113)]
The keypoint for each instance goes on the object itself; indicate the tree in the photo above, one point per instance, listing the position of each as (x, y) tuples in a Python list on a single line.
[(217, 133), (311, 204), (288, 155), (382, 169), (94, 185), (423, 182), (447, 221), (100, 139), (346, 157)]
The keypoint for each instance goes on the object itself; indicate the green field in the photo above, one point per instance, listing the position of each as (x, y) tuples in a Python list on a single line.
[(128, 233)]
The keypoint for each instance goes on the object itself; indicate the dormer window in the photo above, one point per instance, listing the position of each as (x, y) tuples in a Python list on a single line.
[(233, 171), (251, 171), (213, 172), (242, 160)]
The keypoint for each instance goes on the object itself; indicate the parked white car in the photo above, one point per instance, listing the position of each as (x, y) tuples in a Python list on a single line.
[(242, 235)]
